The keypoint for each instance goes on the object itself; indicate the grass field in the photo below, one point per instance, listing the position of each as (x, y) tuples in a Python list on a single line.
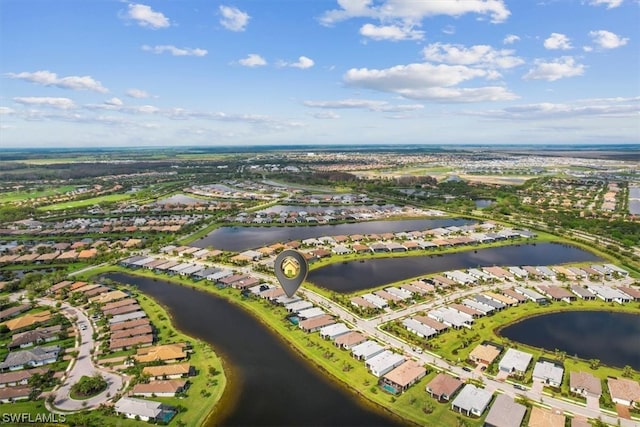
[(74, 204), (18, 196)]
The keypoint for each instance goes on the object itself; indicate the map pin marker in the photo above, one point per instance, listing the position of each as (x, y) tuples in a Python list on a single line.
[(291, 269)]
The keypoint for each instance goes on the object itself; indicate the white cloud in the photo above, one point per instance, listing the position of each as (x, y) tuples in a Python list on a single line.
[(510, 39), (560, 68), (146, 17), (116, 102), (557, 41), (6, 111), (390, 32), (481, 55), (303, 62), (175, 51), (253, 60), (326, 115), (609, 3), (47, 78), (233, 19), (602, 107), (412, 12), (365, 104), (428, 81), (61, 103), (137, 93), (607, 40), (449, 30)]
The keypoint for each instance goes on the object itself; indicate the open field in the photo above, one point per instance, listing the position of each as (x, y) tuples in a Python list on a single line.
[(110, 198)]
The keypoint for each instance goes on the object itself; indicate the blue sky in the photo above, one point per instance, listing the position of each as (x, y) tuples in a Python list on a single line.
[(186, 72)]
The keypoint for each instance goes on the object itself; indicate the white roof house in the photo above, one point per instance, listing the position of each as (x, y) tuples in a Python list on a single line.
[(471, 400), (298, 306), (132, 407), (515, 361), (384, 362), (548, 373), (418, 328), (311, 312), (366, 350), (333, 331)]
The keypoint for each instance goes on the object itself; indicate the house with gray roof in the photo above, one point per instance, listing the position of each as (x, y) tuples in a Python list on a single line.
[(505, 413), (366, 350), (471, 400), (36, 356), (515, 362), (549, 373), (418, 328)]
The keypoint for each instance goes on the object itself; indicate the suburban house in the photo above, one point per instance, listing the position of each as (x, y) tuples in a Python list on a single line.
[(366, 350), (484, 354), (161, 388), (404, 376), (9, 379), (12, 394), (36, 356), (443, 386), (585, 384), (384, 362), (35, 336), (515, 362), (27, 320), (624, 391), (549, 373), (166, 353), (471, 400), (349, 340), (168, 372), (505, 413), (146, 410), (541, 417), (316, 323)]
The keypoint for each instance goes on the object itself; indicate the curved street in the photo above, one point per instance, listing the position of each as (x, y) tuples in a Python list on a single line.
[(82, 365)]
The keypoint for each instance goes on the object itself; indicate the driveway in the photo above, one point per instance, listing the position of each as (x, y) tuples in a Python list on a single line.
[(83, 366)]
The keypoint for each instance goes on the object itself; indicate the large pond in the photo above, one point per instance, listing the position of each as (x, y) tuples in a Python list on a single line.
[(614, 338), (243, 238), (356, 275), (273, 385)]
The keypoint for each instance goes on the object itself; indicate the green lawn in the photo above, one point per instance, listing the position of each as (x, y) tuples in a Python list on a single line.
[(74, 204), (17, 196)]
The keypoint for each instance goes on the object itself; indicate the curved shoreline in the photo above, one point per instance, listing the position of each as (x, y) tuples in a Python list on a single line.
[(496, 331)]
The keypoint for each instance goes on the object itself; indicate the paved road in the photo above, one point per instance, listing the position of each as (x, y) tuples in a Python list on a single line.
[(83, 366)]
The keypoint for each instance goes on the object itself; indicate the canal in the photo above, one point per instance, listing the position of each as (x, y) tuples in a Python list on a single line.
[(612, 337), (357, 275), (273, 385)]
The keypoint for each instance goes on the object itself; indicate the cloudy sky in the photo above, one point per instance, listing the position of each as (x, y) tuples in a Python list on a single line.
[(192, 72)]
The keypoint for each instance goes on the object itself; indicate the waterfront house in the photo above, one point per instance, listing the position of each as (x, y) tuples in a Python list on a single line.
[(160, 388), (443, 386), (505, 413), (548, 373), (145, 410), (349, 340), (471, 400), (366, 350), (624, 391), (384, 362), (402, 377), (333, 331), (515, 362), (585, 384), (168, 372), (315, 323)]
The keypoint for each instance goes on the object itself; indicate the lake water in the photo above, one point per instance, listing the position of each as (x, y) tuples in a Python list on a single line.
[(363, 274), (275, 386), (483, 203), (614, 338), (243, 238)]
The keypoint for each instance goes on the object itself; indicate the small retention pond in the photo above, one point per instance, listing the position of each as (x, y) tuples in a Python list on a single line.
[(612, 337)]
